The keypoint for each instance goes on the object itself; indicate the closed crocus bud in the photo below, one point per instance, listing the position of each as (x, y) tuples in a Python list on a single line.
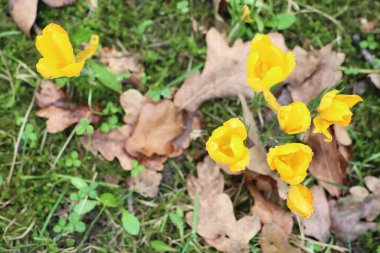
[(294, 118), (58, 58), (334, 109), (291, 161), (267, 65), (300, 200), (226, 145)]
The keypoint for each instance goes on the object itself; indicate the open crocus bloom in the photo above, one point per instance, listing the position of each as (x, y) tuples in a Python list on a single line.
[(267, 65), (291, 161), (58, 58), (300, 200), (334, 109), (226, 145), (294, 118)]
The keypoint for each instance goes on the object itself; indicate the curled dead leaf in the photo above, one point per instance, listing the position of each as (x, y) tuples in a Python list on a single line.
[(224, 74), (157, 126), (132, 101), (50, 94), (274, 240), (146, 183), (119, 62), (318, 225), (375, 79), (24, 13), (373, 184), (110, 145)]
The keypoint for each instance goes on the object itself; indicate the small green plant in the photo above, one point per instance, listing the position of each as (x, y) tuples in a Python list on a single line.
[(183, 6), (136, 168), (84, 127), (72, 160), (370, 43), (29, 136), (281, 21), (111, 123), (157, 92), (111, 109)]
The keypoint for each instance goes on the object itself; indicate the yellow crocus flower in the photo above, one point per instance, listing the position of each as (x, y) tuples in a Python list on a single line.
[(334, 109), (294, 118), (58, 58), (267, 65), (300, 200), (246, 14), (226, 145), (291, 161)]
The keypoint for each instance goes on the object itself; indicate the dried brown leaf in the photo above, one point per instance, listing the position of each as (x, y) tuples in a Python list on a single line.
[(132, 101), (224, 74), (318, 225), (307, 82), (270, 212), (373, 184), (59, 110), (58, 3), (352, 218), (146, 183), (327, 164), (274, 240), (358, 193), (368, 26), (24, 13), (157, 126), (119, 62), (110, 145), (342, 136), (375, 79), (278, 40), (219, 7)]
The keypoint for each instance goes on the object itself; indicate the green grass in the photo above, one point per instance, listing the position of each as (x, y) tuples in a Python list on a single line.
[(162, 38)]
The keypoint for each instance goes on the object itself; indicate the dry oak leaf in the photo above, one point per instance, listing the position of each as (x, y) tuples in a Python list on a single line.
[(157, 126), (375, 79), (132, 101), (270, 212), (24, 13), (351, 218), (368, 26), (258, 154), (373, 184), (327, 165), (224, 74), (309, 79), (146, 183), (219, 7), (216, 219), (274, 240), (318, 225), (110, 145), (119, 62), (59, 110)]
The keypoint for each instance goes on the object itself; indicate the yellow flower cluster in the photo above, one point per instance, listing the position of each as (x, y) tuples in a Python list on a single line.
[(58, 58), (267, 66)]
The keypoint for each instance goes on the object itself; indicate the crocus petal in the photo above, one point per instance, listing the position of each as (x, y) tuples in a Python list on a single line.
[(273, 76), (242, 163), (349, 100), (90, 49), (321, 126), (271, 100), (300, 200)]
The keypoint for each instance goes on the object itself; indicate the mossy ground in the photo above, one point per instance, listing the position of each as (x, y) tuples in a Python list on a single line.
[(163, 39)]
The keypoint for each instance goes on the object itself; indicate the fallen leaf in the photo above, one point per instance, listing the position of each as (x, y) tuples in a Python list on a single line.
[(274, 240), (278, 40), (375, 79), (327, 164), (132, 101), (193, 123), (351, 218), (119, 62), (50, 94), (59, 110), (269, 212), (258, 154), (24, 13), (306, 82), (358, 193), (373, 184), (157, 126), (146, 183), (58, 3), (110, 145), (58, 119), (224, 74), (342, 136), (318, 225), (217, 223), (368, 26), (219, 7)]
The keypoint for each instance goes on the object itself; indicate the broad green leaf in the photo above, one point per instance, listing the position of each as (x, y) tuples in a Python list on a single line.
[(108, 199), (85, 206), (285, 20), (130, 223), (74, 217), (105, 76), (79, 183), (161, 246), (80, 227)]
